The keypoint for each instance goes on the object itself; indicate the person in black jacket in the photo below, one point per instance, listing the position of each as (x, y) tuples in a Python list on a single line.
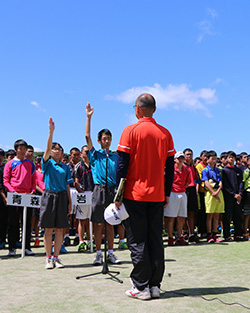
[(232, 180)]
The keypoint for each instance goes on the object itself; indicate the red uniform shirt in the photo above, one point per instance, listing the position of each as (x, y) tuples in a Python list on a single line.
[(193, 173), (149, 145), (181, 179)]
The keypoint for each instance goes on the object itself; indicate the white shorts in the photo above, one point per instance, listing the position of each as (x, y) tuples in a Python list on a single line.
[(83, 211), (73, 190), (177, 205)]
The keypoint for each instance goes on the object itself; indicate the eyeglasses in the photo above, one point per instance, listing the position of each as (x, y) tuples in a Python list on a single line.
[(137, 106)]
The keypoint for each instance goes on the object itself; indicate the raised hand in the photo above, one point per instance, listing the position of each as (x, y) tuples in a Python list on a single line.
[(89, 110), (51, 124)]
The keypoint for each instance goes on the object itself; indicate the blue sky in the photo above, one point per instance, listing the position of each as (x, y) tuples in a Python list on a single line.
[(193, 56)]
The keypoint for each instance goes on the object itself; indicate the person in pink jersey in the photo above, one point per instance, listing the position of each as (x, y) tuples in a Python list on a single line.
[(19, 176)]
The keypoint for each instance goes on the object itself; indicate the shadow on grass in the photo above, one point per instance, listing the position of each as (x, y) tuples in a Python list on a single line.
[(194, 292)]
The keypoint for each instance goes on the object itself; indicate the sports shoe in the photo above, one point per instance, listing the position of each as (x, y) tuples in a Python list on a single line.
[(170, 241), (76, 241), (181, 242), (36, 244), (194, 239), (98, 260), (49, 264), (164, 233), (246, 237), (58, 263), (138, 294), (82, 247), (63, 249), (155, 292), (29, 252), (111, 258), (123, 245), (228, 239), (216, 239), (12, 252), (210, 239), (42, 233), (66, 241), (238, 238), (88, 246)]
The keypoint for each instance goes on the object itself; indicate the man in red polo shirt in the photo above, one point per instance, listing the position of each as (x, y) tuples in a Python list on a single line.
[(146, 160)]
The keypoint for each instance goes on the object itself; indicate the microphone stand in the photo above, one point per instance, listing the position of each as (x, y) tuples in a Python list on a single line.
[(105, 269)]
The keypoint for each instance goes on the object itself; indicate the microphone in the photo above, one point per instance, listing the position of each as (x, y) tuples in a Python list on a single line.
[(107, 153)]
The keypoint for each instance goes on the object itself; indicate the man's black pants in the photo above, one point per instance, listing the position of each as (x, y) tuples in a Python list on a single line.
[(144, 236), (232, 211), (14, 214)]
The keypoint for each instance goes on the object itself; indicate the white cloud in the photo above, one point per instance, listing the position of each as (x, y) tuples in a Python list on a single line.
[(178, 97), (36, 149), (212, 12), (218, 81), (36, 104), (206, 26)]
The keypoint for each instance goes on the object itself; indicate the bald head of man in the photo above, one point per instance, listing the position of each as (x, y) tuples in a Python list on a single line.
[(145, 105)]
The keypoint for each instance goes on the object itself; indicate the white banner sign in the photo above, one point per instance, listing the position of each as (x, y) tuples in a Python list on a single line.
[(84, 198), (21, 199)]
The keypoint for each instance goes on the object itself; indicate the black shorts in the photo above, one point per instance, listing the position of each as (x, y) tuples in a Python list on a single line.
[(192, 201), (54, 209), (98, 202)]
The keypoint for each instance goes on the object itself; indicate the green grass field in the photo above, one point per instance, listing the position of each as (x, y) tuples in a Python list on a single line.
[(194, 274)]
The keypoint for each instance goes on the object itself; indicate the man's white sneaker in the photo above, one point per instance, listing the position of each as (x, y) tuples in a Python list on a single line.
[(49, 264), (111, 258), (155, 292), (12, 252), (138, 294), (29, 252), (98, 259), (58, 263)]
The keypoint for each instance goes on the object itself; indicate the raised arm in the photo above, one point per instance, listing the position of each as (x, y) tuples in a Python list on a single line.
[(49, 142), (89, 112)]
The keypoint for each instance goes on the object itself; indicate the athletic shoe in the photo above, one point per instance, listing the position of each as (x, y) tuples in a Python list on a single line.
[(18, 245), (49, 264), (2, 244), (36, 244), (170, 241), (58, 263), (164, 233), (123, 245), (63, 249), (88, 245), (138, 294), (12, 252), (76, 241), (98, 260), (246, 237), (238, 238), (42, 233), (228, 239), (66, 241), (216, 239), (111, 258), (210, 239), (82, 247), (181, 242), (155, 292), (194, 239), (29, 252)]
